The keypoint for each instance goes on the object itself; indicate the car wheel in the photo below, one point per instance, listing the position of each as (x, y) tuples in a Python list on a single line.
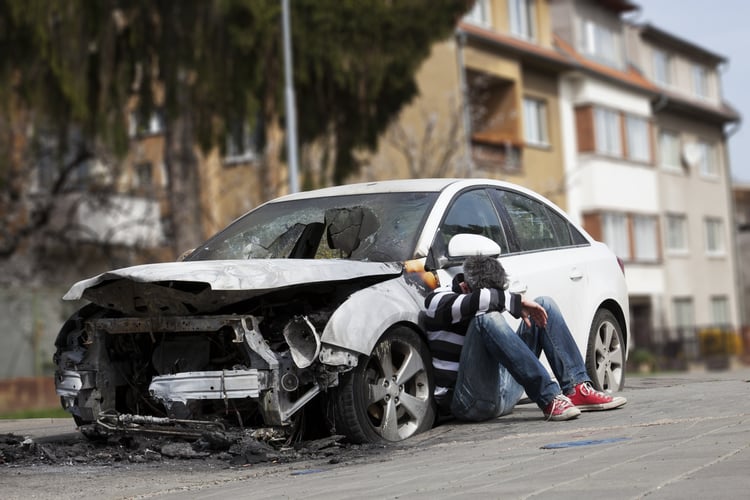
[(388, 395), (605, 355)]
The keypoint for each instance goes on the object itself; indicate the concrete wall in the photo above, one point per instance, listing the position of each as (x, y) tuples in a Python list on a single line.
[(29, 322)]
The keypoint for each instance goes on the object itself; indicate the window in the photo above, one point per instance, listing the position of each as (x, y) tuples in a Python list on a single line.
[(676, 233), (645, 236), (700, 81), (615, 234), (241, 142), (535, 121), (531, 223), (137, 125), (637, 139), (607, 131), (714, 236), (144, 175), (480, 13), (720, 310), (523, 18), (707, 160), (601, 43), (662, 67), (669, 150), (684, 316), (473, 213)]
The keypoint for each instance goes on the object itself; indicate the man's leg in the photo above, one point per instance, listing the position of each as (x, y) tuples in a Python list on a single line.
[(510, 350), (484, 388), (557, 343)]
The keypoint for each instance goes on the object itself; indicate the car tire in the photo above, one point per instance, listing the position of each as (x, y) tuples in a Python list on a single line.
[(605, 354), (388, 396)]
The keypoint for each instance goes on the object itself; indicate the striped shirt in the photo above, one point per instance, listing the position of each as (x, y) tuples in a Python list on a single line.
[(447, 317)]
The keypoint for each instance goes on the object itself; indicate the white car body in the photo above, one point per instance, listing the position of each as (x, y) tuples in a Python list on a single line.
[(148, 326)]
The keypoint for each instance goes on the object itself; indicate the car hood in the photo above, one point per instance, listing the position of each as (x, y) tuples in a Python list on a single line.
[(204, 286)]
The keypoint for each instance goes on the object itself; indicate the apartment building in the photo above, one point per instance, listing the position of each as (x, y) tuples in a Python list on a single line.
[(612, 185), (623, 125), (692, 123), (489, 102)]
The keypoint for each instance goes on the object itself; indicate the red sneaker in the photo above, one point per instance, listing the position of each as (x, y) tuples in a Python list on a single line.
[(586, 398), (561, 408)]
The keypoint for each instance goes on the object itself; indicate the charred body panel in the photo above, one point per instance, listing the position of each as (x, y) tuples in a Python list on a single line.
[(178, 288), (257, 361)]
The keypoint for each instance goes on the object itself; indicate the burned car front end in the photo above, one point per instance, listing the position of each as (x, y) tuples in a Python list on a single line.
[(254, 325)]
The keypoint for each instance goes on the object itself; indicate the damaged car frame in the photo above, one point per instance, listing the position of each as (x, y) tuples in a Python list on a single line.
[(309, 307)]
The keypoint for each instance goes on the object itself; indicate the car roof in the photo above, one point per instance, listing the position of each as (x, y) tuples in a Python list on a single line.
[(434, 185)]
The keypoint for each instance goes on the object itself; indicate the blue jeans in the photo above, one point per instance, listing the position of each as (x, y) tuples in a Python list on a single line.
[(497, 364)]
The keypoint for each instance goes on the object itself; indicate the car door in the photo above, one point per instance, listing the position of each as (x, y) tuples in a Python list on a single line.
[(546, 256)]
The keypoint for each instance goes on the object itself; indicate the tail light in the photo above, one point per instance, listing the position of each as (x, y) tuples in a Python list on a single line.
[(621, 264)]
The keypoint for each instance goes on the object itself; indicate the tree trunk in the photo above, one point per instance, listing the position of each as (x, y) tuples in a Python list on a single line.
[(183, 187)]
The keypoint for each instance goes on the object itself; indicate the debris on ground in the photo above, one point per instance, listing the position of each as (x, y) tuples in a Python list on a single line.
[(231, 450)]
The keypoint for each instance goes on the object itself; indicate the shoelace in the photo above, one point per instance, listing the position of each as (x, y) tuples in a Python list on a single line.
[(587, 390), (559, 400)]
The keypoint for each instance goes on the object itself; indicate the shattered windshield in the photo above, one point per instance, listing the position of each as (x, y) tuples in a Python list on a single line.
[(379, 227)]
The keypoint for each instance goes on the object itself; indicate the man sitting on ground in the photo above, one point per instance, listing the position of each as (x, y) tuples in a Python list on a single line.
[(482, 367)]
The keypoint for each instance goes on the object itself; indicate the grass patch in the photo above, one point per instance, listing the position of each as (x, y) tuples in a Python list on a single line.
[(43, 413)]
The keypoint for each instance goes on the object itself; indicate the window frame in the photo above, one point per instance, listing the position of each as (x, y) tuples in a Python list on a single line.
[(677, 165), (630, 136), (522, 19), (713, 228), (720, 315), (601, 43), (616, 238), (708, 164), (480, 14), (502, 238), (608, 132), (683, 309), (673, 233), (700, 84), (538, 109), (662, 67), (645, 250)]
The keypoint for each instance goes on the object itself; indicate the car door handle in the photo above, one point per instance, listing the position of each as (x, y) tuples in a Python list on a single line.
[(575, 274)]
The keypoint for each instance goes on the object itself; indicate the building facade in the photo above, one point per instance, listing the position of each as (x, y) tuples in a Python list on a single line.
[(621, 124)]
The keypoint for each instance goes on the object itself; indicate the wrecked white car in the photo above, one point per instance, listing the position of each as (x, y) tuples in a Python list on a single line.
[(307, 309)]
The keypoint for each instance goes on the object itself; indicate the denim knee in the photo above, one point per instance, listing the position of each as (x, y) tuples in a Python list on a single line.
[(548, 303)]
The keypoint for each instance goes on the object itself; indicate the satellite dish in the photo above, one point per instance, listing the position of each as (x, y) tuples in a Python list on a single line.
[(691, 154)]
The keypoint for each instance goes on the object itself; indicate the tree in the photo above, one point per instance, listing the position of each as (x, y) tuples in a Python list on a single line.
[(202, 65)]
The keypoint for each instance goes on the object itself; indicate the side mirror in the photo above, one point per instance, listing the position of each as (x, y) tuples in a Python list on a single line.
[(464, 245)]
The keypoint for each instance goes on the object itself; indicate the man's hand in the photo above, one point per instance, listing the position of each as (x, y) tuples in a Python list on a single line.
[(530, 309)]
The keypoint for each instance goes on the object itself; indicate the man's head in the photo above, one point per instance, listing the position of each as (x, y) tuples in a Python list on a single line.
[(483, 271)]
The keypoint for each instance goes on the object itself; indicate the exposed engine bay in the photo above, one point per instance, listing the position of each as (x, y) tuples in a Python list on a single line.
[(173, 357)]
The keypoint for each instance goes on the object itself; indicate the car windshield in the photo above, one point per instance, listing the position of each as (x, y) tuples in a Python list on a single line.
[(379, 227)]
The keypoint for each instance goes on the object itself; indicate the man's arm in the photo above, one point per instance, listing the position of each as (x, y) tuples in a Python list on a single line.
[(445, 306), (532, 310)]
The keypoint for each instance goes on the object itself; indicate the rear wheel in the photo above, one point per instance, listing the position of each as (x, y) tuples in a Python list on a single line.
[(388, 395), (605, 355)]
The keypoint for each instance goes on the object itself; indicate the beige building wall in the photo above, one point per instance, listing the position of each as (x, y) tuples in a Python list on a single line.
[(428, 138), (695, 274)]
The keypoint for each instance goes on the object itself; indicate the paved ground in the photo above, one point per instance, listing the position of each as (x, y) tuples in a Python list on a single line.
[(680, 436)]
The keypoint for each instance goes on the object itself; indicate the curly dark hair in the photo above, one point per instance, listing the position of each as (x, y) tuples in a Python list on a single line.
[(483, 271)]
